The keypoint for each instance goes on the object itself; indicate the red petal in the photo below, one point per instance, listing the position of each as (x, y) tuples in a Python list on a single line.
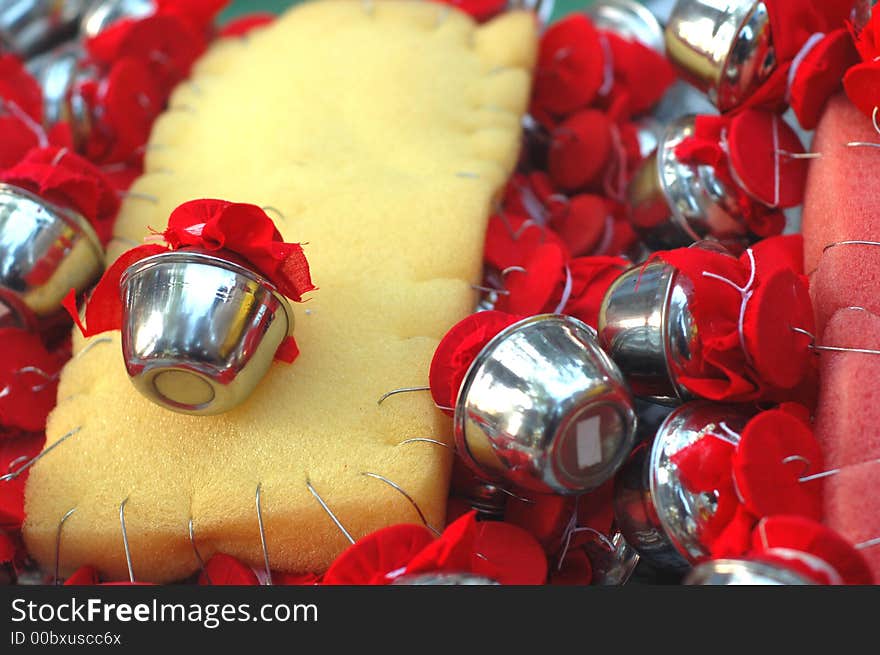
[(862, 85), (530, 291), (83, 576), (769, 485), (512, 239), (18, 448), (288, 351), (577, 569), (735, 539), (571, 66), (755, 141), (372, 558), (582, 222), (640, 71), (819, 75), (509, 555), (457, 350), (29, 379), (17, 85), (705, 465), (224, 569), (781, 302), (580, 150), (452, 552), (782, 537), (545, 517)]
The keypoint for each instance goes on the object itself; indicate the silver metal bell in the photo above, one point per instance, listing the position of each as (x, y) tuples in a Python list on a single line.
[(731, 572), (58, 73), (31, 26), (45, 250), (655, 512), (452, 579), (629, 19), (672, 203), (199, 332), (612, 567), (646, 326), (542, 407), (723, 47), (102, 15)]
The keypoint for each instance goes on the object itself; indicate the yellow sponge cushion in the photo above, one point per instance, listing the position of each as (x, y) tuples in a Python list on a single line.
[(379, 133)]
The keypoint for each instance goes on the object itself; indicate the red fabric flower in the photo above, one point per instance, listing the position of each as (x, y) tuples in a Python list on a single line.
[(775, 451), (862, 85), (511, 239), (245, 24), (452, 552), (480, 10), (83, 576), (582, 222), (64, 178), (14, 451), (18, 139), (508, 554), (591, 277), (17, 86), (529, 291), (544, 516), (571, 66), (819, 74), (580, 150), (198, 13), (458, 349), (224, 569), (641, 75), (744, 319), (811, 549), (379, 557), (28, 380), (576, 569)]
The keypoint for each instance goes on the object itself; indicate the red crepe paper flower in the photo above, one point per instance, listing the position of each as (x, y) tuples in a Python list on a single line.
[(83, 576), (545, 516), (479, 10), (582, 221), (64, 178), (453, 551), (811, 549), (224, 569), (576, 569), (571, 67), (580, 150), (745, 315), (458, 349), (511, 239), (14, 450), (379, 557), (244, 25), (17, 86), (508, 554), (775, 451), (819, 74), (28, 380), (591, 277), (235, 230), (641, 76)]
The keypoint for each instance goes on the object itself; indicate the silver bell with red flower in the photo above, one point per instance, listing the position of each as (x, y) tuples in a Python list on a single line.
[(543, 408), (199, 331), (673, 203), (734, 572), (724, 48), (31, 26), (654, 510), (45, 251)]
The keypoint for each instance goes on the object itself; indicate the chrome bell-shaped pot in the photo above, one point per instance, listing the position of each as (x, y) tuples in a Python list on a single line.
[(45, 251), (443, 579), (31, 26), (723, 48), (102, 15), (733, 572), (59, 73), (673, 204), (629, 19), (646, 326), (199, 332), (655, 512), (543, 408)]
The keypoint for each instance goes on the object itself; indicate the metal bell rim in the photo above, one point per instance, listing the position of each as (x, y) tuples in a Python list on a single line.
[(645, 15), (666, 157), (682, 395), (753, 567), (197, 256), (71, 217), (460, 413)]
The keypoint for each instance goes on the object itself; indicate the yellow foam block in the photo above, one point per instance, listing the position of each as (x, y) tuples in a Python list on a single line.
[(379, 133)]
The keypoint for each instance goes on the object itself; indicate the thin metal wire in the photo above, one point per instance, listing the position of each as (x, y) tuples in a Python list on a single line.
[(67, 515), (868, 544), (329, 511), (276, 211), (33, 460), (851, 242), (125, 540), (834, 349), (403, 492), (91, 345), (425, 440), (263, 536), (192, 541), (479, 287), (401, 390)]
